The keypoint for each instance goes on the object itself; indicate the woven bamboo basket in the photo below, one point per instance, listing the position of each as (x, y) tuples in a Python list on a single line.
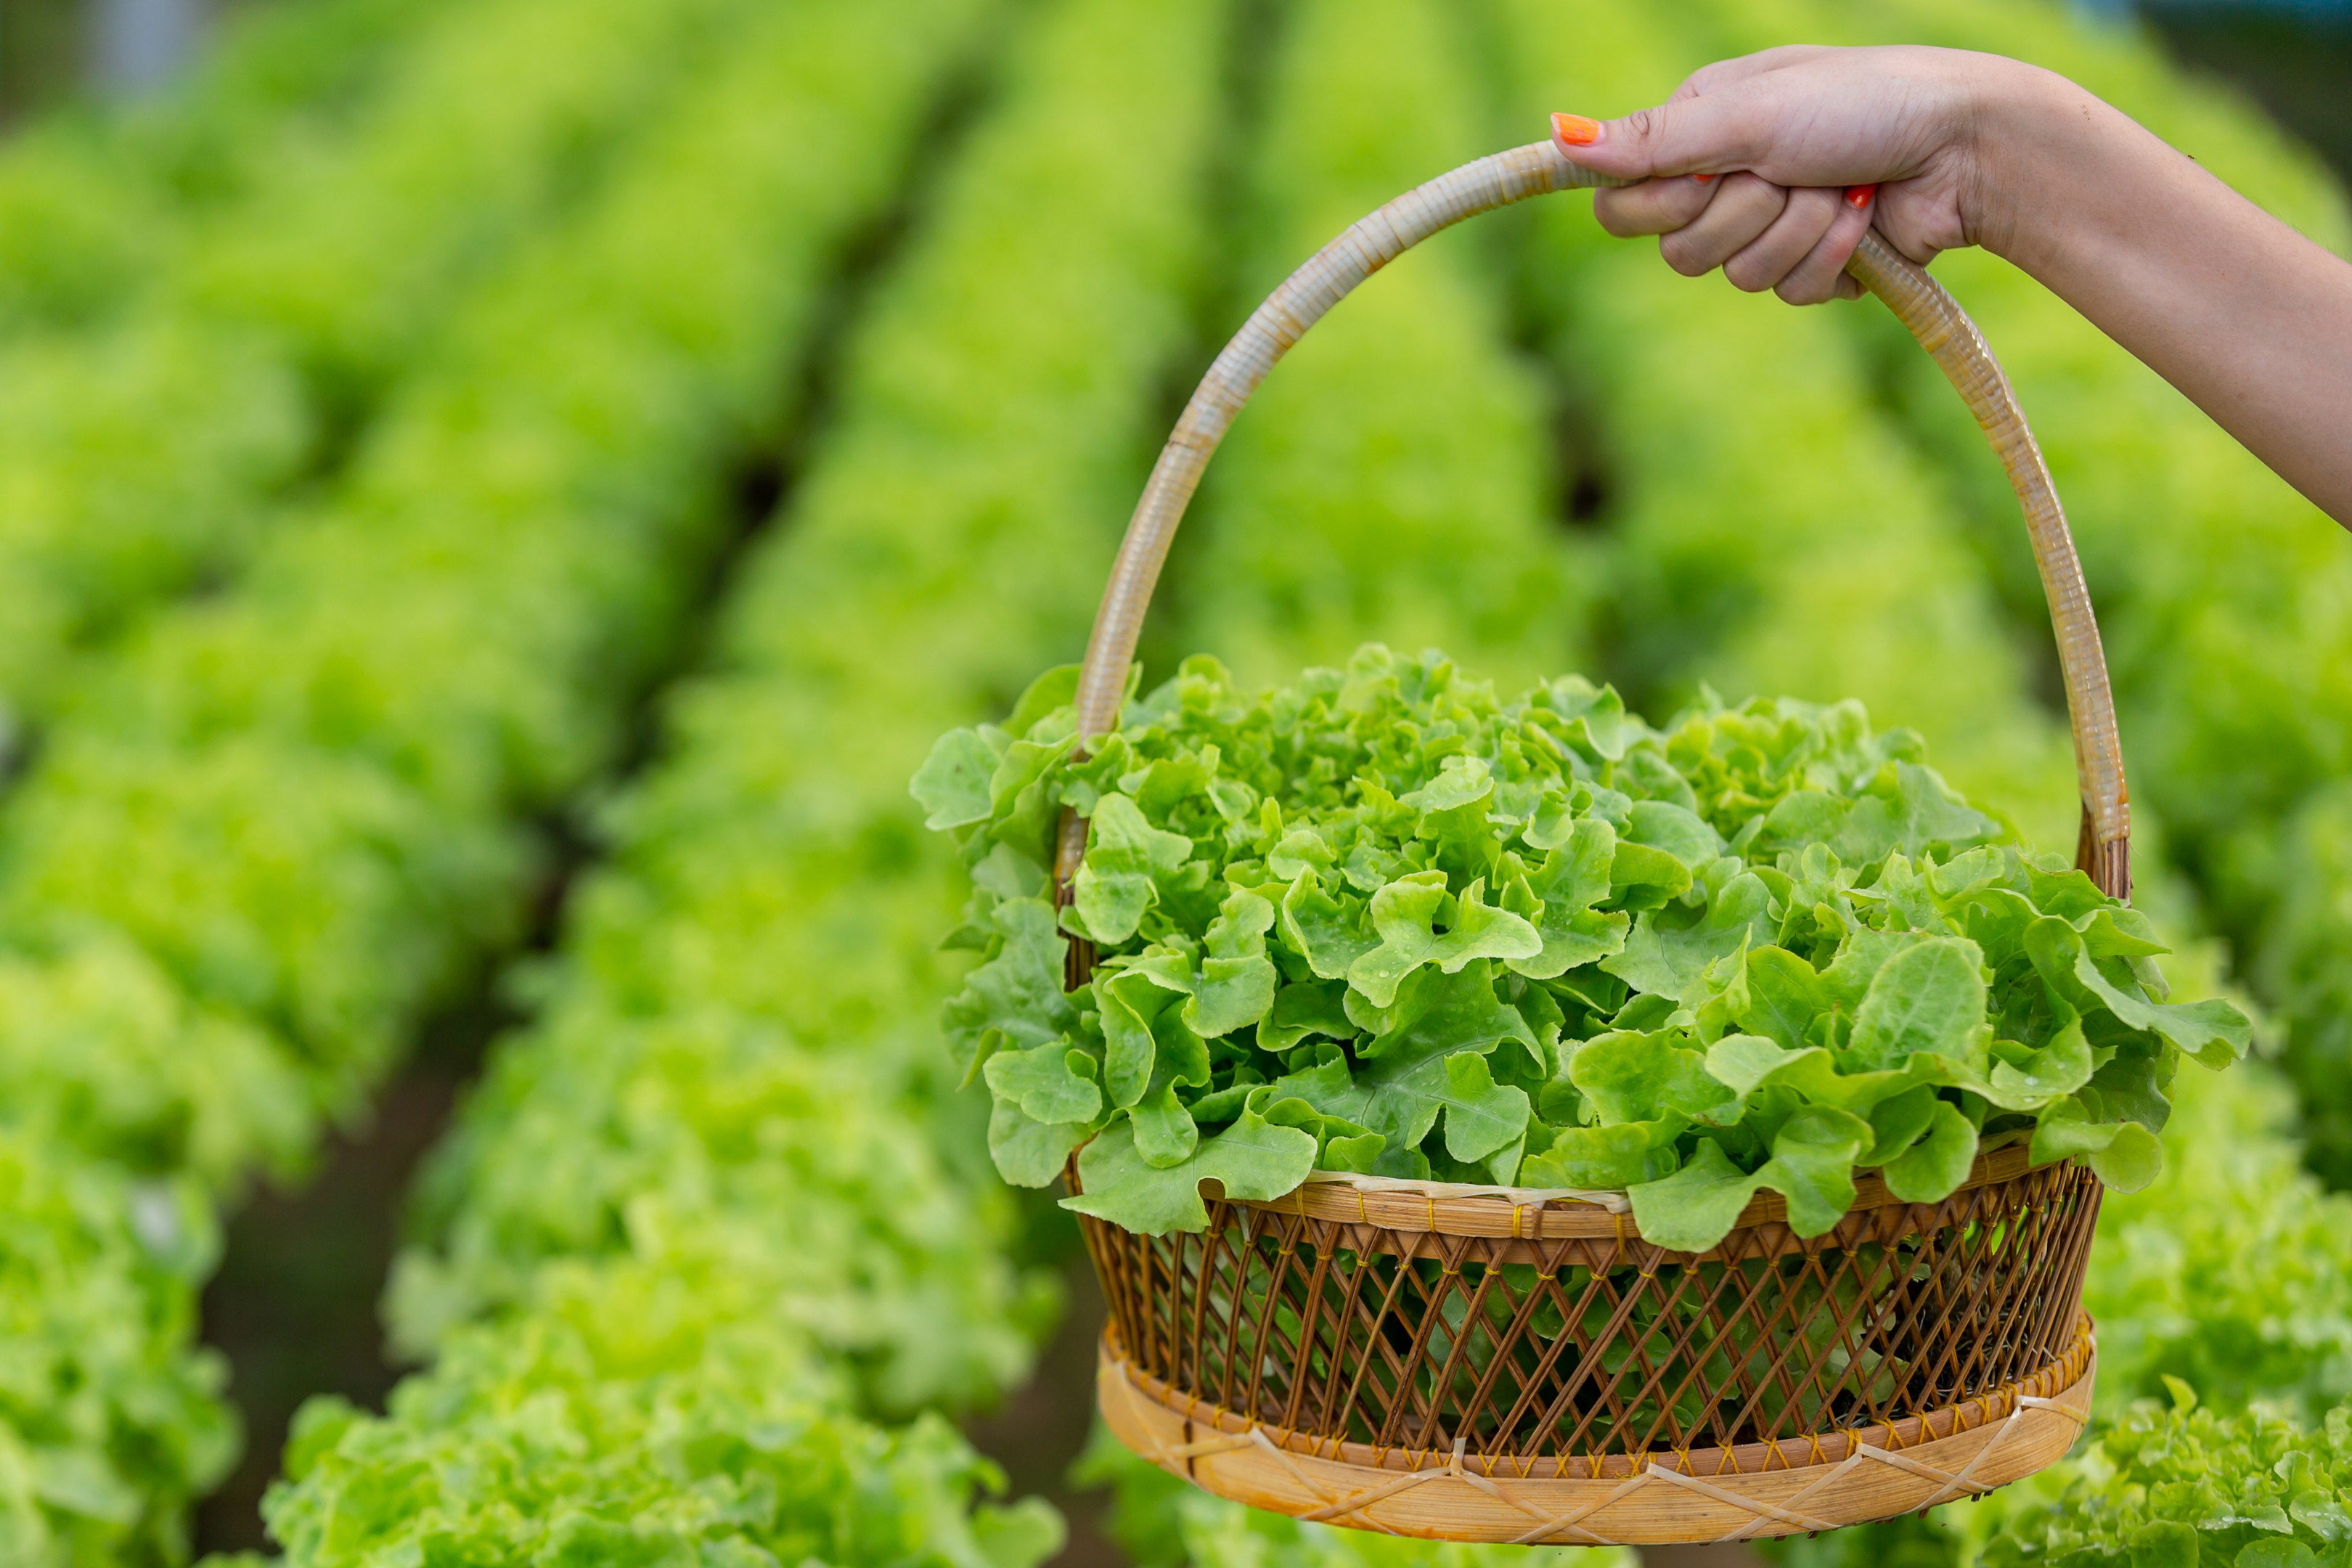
[(1496, 1364)]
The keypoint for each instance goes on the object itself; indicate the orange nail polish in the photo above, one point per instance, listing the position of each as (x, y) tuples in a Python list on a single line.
[(1575, 129), (1858, 196), (1702, 179)]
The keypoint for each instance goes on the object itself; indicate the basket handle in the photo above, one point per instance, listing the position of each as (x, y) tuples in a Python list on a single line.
[(1943, 329)]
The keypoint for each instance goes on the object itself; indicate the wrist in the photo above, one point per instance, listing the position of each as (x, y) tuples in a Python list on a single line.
[(2023, 134)]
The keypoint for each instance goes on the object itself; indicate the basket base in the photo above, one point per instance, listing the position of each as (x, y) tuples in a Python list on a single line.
[(1460, 1500)]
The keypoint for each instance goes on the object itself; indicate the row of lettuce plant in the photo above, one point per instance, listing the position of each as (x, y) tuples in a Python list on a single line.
[(1394, 463), (723, 1202), (2190, 1485), (292, 816), (97, 194), (152, 453), (2223, 594)]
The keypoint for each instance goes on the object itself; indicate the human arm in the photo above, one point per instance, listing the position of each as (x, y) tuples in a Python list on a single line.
[(2249, 318)]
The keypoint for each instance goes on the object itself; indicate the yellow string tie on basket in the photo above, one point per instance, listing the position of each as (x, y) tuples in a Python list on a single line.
[(1537, 1407)]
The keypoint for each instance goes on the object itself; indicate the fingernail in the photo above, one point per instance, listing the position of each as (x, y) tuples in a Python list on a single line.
[(1858, 196), (1575, 129), (1702, 179)]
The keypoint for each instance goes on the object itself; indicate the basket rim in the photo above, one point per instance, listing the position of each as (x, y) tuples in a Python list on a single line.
[(1818, 1450), (1535, 1213)]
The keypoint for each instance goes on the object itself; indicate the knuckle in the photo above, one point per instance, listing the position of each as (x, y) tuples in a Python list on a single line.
[(1644, 124), (1747, 275), (1763, 201), (1611, 216), (1682, 255), (1817, 200)]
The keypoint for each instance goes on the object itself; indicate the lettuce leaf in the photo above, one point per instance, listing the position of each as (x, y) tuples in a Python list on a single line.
[(1382, 920)]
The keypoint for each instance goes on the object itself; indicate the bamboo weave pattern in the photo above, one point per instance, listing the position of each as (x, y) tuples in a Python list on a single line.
[(1853, 1477), (1596, 1352)]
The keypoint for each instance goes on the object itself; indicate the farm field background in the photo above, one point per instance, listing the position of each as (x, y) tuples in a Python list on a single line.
[(496, 500)]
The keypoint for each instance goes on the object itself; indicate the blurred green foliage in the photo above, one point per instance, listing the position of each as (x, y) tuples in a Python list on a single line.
[(733, 1095), (303, 809), (1391, 481)]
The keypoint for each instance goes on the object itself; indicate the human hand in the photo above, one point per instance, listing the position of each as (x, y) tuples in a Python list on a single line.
[(1807, 148), (1771, 166)]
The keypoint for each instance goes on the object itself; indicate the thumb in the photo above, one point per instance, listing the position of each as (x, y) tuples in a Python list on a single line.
[(1689, 135)]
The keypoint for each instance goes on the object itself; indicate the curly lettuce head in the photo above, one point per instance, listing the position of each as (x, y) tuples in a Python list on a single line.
[(1383, 921)]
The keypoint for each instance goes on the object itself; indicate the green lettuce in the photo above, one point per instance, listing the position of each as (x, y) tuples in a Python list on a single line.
[(620, 1421), (2186, 1486), (1383, 921)]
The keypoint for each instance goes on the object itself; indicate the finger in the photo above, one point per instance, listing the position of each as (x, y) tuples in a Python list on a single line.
[(1712, 130), (1848, 287), (1653, 207), (1743, 208), (1805, 217), (1820, 276)]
